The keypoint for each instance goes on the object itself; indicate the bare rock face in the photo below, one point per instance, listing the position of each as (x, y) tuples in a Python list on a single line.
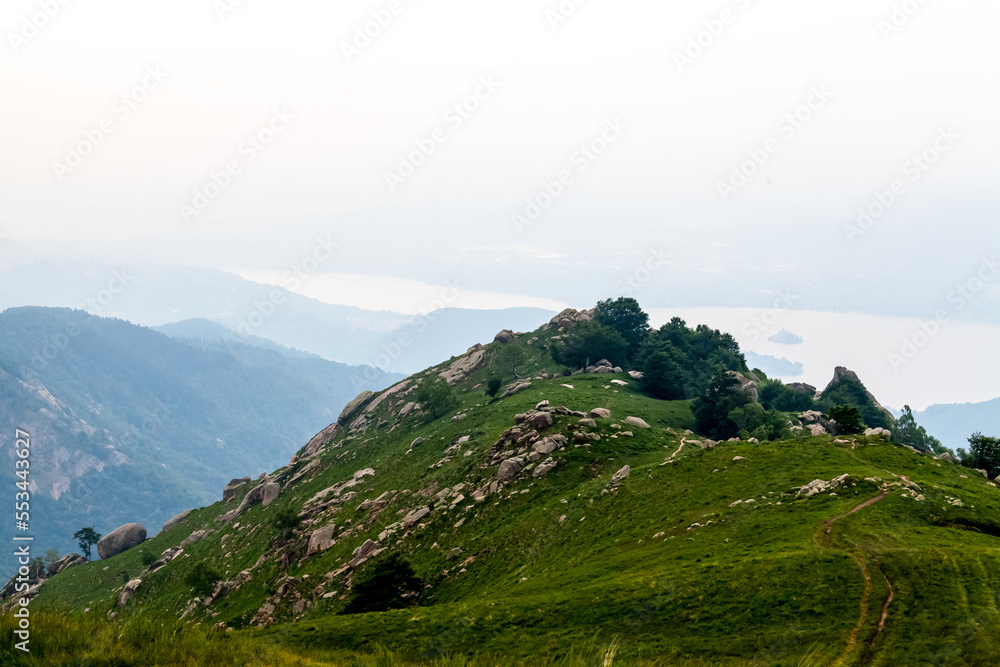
[(321, 539), (321, 438), (802, 388), (121, 539), (415, 517), (464, 365), (544, 468)]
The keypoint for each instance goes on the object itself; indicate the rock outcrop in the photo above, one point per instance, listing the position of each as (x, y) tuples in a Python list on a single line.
[(176, 521), (504, 337), (233, 488), (570, 317), (64, 563), (121, 539), (464, 365), (821, 486), (128, 591), (354, 407)]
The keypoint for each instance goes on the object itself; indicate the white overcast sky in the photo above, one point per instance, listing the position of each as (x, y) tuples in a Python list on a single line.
[(655, 189)]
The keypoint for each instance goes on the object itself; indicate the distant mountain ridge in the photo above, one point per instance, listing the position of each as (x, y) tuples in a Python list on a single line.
[(953, 424), (158, 296)]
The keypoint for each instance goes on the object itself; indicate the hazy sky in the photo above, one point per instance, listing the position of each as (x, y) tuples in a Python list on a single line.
[(619, 122)]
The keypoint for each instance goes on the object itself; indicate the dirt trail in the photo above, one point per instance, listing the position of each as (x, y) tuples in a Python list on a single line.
[(683, 442), (852, 641)]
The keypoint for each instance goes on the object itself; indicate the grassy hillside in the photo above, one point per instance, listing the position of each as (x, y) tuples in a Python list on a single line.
[(702, 555)]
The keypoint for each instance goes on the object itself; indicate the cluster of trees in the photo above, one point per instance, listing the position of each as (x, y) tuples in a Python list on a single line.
[(725, 411), (983, 454), (676, 362)]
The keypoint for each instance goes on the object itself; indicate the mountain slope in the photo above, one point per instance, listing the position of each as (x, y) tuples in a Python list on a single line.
[(126, 420), (810, 551)]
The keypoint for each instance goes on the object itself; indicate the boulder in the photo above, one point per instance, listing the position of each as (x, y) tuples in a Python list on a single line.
[(269, 492), (515, 387), (604, 362), (802, 388), (587, 421), (817, 429), (983, 472), (542, 420), (811, 417), (509, 469), (64, 563), (233, 488), (121, 539), (416, 443), (637, 422), (878, 432), (746, 384), (504, 337), (177, 520), (601, 413), (635, 375), (947, 457), (544, 467), (128, 591), (415, 517), (320, 439), (621, 475)]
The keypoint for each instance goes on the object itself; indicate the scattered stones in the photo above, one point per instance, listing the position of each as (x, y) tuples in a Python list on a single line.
[(542, 420), (878, 432), (820, 486)]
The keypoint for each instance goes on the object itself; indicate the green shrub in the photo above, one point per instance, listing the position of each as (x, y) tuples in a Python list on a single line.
[(589, 342), (386, 584), (203, 579), (286, 520), (493, 386), (436, 396), (848, 419)]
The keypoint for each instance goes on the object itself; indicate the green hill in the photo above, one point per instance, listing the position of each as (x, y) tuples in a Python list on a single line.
[(572, 520)]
